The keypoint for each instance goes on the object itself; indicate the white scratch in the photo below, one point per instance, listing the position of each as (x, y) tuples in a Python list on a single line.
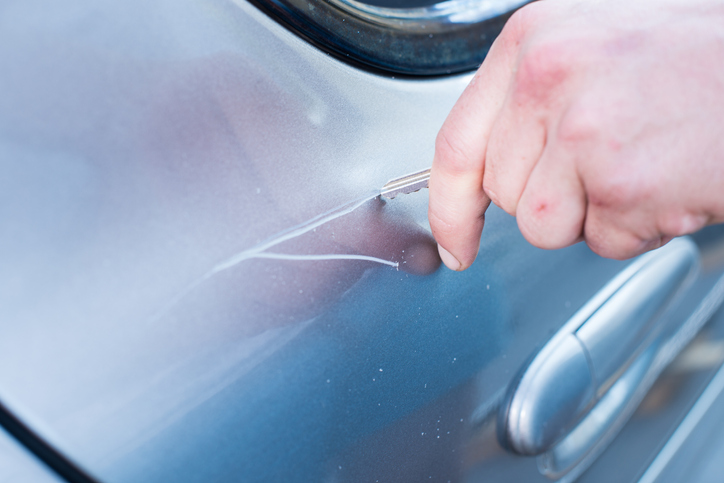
[(332, 256), (259, 250), (292, 232)]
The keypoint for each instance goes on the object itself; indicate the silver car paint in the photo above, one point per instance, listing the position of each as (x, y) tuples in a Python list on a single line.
[(149, 153)]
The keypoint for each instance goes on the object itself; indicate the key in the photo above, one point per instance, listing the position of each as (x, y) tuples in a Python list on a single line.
[(406, 184)]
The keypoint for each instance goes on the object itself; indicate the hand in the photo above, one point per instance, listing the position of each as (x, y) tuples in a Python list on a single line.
[(595, 121)]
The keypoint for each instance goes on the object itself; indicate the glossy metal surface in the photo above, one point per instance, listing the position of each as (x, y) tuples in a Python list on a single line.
[(629, 318), (410, 183), (180, 302), (675, 393), (551, 396), (625, 457), (576, 367), (603, 418), (698, 434)]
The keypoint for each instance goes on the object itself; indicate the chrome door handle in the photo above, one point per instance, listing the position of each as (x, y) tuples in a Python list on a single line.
[(570, 393)]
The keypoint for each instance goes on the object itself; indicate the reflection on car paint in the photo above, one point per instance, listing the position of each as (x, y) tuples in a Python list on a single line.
[(171, 136), (260, 250)]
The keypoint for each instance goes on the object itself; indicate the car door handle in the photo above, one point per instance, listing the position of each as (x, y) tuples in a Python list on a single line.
[(573, 390)]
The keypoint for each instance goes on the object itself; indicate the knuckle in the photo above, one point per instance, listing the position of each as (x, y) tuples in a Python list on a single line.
[(452, 151), (619, 251), (579, 125), (534, 213), (673, 223), (542, 70), (546, 223), (616, 190), (609, 241), (552, 211)]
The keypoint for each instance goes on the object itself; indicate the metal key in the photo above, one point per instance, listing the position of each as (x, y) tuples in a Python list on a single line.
[(406, 184)]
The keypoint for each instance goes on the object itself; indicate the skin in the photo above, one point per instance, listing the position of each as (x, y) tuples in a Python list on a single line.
[(600, 121)]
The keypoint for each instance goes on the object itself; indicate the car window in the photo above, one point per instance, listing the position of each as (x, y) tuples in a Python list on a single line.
[(412, 37)]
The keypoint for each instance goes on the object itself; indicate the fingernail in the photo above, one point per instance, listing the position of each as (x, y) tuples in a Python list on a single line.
[(450, 261)]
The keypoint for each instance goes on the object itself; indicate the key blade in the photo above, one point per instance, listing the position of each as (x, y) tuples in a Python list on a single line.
[(406, 184)]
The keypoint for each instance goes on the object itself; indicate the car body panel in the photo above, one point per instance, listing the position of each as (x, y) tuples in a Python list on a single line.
[(152, 156)]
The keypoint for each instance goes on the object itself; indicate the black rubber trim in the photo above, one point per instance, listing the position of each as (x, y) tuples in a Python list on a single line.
[(383, 49), (42, 450)]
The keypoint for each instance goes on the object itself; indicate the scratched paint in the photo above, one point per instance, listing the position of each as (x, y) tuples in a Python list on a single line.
[(331, 256), (298, 230), (259, 250)]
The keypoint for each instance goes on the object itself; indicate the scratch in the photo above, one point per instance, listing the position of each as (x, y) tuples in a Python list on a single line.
[(284, 256), (259, 250), (294, 232)]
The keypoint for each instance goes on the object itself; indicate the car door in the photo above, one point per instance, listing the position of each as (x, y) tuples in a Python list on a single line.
[(200, 281)]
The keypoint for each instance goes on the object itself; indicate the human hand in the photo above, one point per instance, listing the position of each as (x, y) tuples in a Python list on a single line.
[(595, 121)]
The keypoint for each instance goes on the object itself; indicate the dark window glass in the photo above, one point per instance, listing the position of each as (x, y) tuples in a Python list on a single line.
[(413, 37), (400, 3)]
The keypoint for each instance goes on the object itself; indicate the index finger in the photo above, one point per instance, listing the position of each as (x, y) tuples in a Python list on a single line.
[(457, 200)]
